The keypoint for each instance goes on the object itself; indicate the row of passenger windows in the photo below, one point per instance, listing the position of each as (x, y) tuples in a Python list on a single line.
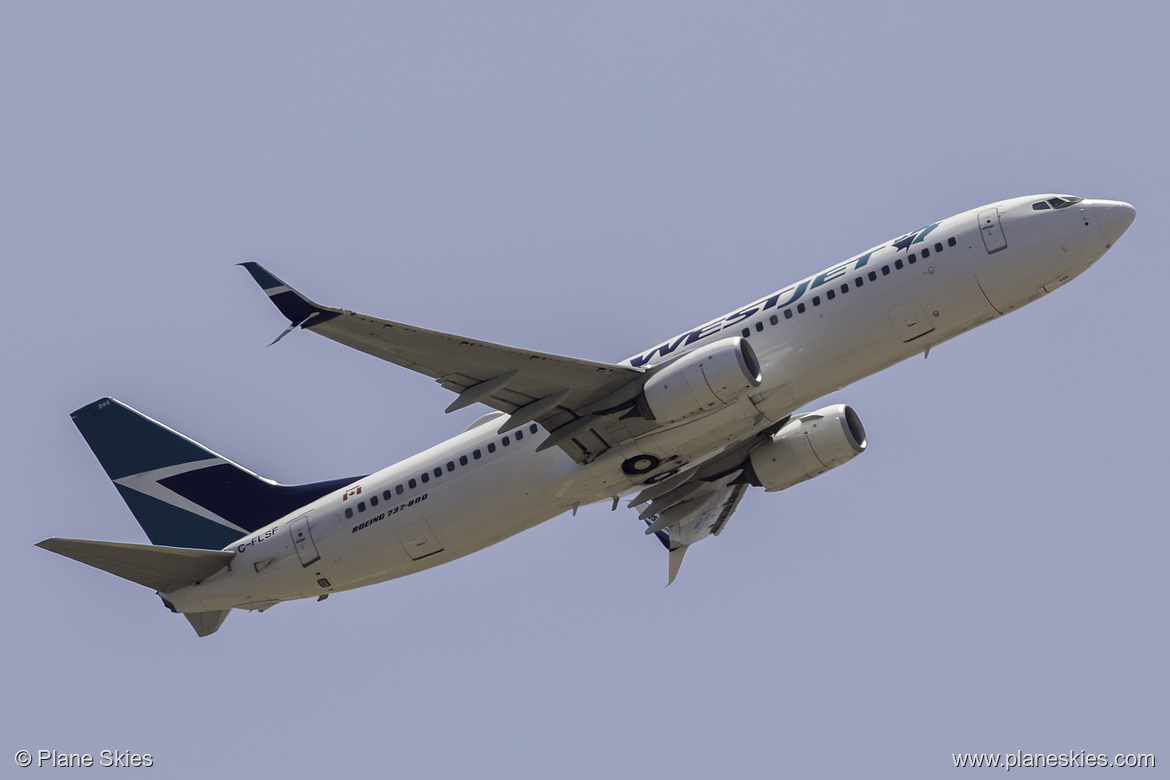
[(858, 282), (438, 471)]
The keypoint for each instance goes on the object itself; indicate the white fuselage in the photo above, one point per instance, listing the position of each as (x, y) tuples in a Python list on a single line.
[(812, 338)]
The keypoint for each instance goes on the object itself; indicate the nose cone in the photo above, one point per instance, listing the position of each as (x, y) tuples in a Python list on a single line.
[(1114, 217)]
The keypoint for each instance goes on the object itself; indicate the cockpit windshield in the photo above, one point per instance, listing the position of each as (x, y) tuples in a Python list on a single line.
[(1062, 202)]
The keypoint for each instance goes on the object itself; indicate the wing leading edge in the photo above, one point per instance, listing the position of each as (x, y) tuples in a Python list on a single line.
[(558, 392)]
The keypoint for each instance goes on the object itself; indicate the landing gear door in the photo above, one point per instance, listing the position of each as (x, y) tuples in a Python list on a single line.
[(992, 231), (303, 541)]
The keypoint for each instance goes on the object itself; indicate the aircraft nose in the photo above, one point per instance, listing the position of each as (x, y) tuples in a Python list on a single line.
[(1114, 217)]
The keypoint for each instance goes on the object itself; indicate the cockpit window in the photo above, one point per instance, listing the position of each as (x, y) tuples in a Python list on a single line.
[(1062, 202)]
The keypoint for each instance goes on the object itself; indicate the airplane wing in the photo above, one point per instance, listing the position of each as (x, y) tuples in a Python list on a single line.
[(693, 511), (698, 501), (558, 392)]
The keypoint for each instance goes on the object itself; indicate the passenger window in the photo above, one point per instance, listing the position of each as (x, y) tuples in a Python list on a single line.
[(361, 506), (475, 454), (873, 276), (858, 281), (774, 320), (399, 489), (506, 441), (816, 300), (425, 477), (746, 333), (462, 460), (898, 264), (830, 295), (532, 428), (938, 247), (491, 446), (413, 483), (438, 472), (450, 466), (925, 253), (788, 314), (912, 259), (844, 288), (519, 434), (759, 327), (348, 513), (885, 270), (951, 241), (373, 500), (800, 308), (387, 495)]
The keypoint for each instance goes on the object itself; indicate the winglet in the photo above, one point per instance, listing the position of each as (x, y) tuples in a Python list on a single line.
[(675, 561), (296, 307)]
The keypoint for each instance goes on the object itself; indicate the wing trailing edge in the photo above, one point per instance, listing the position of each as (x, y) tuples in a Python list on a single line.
[(563, 394)]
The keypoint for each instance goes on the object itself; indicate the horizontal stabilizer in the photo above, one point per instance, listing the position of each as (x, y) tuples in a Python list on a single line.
[(161, 568)]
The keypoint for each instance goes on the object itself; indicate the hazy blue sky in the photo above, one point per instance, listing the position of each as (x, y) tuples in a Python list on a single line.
[(585, 179)]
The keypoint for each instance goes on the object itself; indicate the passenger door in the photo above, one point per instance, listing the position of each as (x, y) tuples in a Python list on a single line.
[(992, 231), (303, 541)]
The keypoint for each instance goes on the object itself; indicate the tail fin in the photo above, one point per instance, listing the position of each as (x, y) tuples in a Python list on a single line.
[(180, 492)]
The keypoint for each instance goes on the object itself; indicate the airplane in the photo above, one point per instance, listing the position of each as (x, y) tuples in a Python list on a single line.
[(680, 431)]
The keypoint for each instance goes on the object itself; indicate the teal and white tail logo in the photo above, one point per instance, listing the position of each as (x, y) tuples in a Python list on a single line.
[(181, 493)]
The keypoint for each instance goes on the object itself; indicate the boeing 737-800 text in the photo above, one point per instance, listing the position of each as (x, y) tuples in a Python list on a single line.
[(682, 430)]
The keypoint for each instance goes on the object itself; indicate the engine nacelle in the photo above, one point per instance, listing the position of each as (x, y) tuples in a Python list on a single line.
[(807, 446), (701, 381)]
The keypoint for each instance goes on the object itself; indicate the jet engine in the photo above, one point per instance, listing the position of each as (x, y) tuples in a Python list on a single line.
[(701, 381), (807, 446)]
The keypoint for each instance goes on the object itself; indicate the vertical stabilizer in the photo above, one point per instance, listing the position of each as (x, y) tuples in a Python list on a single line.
[(181, 493)]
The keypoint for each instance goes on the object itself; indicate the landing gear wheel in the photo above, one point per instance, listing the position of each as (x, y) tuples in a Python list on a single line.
[(640, 464)]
